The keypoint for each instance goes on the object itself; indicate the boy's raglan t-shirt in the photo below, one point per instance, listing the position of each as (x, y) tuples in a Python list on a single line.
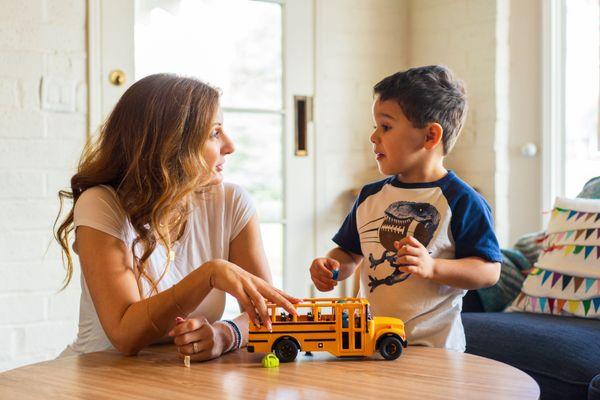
[(450, 219)]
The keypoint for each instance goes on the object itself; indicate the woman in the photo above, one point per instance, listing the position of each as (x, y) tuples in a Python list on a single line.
[(158, 234)]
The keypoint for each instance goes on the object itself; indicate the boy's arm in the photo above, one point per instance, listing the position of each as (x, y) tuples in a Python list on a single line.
[(348, 261), (466, 273), (321, 269)]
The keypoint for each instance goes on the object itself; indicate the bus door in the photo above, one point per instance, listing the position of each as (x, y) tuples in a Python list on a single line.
[(351, 325), (359, 322)]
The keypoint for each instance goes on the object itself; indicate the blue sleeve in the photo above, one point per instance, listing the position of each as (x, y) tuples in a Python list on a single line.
[(472, 227), (347, 236)]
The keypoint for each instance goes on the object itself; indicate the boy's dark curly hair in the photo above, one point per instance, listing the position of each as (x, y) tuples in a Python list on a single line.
[(428, 94)]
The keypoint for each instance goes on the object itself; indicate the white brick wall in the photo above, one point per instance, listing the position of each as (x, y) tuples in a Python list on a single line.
[(38, 153), (471, 38), (493, 45), (357, 44)]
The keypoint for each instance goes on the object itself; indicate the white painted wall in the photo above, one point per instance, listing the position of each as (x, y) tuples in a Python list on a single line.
[(38, 152), (462, 36), (524, 201), (474, 38), (493, 45)]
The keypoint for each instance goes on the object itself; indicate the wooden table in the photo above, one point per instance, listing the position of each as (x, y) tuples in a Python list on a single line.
[(156, 373)]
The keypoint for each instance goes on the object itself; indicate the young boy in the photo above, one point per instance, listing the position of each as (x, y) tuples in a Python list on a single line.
[(422, 236)]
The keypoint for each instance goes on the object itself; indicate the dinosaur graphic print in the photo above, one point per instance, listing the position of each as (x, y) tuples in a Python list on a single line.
[(400, 219)]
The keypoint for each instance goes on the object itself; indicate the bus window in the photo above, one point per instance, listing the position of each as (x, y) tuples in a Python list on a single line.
[(357, 340), (282, 316), (345, 341), (326, 314), (305, 313), (357, 319), (312, 315), (345, 318)]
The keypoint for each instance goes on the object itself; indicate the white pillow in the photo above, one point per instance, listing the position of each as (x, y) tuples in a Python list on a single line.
[(566, 277)]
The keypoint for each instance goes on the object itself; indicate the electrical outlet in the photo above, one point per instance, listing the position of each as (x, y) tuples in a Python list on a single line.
[(58, 94)]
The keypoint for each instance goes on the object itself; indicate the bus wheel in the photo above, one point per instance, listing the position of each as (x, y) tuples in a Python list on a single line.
[(286, 350), (390, 348)]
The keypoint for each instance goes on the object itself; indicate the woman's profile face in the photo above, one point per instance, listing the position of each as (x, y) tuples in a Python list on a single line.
[(216, 148)]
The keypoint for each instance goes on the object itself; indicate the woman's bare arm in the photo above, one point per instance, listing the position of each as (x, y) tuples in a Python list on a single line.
[(131, 322)]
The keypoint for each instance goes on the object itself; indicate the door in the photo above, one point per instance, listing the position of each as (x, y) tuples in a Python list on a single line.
[(350, 322), (260, 53)]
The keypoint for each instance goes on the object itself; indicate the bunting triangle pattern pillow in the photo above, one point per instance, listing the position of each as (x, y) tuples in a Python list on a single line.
[(566, 277)]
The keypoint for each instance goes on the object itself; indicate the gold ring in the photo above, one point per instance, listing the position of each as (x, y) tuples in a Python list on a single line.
[(195, 346)]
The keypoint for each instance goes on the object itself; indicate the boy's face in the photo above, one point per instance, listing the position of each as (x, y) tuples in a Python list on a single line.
[(397, 144)]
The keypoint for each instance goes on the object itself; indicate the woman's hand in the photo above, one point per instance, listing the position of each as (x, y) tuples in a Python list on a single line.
[(251, 291), (199, 339)]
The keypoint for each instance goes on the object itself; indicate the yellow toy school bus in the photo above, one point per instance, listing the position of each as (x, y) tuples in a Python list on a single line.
[(343, 327)]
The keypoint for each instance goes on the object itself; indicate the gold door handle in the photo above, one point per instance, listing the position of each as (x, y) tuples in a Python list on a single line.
[(116, 77)]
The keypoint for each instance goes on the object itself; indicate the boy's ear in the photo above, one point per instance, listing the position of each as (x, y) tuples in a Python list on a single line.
[(434, 135)]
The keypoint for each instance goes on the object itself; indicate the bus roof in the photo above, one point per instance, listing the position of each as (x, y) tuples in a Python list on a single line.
[(327, 302)]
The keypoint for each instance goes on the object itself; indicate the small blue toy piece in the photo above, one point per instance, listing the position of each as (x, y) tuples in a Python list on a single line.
[(336, 272)]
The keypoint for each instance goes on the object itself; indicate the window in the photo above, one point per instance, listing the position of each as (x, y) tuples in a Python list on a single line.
[(570, 97), (582, 70), (241, 54)]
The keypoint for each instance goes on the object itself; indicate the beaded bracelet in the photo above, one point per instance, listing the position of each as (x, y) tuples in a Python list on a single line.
[(236, 333), (232, 333)]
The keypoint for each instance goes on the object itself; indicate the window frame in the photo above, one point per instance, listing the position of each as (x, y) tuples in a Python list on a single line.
[(553, 102)]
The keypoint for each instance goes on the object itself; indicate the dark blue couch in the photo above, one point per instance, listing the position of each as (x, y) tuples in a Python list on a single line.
[(561, 353)]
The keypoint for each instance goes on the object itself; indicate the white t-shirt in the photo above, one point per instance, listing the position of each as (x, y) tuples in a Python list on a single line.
[(450, 219), (218, 215)]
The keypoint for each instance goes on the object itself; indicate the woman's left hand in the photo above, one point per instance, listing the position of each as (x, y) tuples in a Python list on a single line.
[(199, 339)]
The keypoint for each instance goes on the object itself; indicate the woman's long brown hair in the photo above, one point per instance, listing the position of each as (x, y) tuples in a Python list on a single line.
[(150, 152)]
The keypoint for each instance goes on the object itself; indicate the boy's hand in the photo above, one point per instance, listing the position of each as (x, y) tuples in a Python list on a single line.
[(321, 273), (416, 257)]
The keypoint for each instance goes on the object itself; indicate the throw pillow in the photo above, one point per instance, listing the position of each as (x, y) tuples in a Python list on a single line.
[(566, 277)]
